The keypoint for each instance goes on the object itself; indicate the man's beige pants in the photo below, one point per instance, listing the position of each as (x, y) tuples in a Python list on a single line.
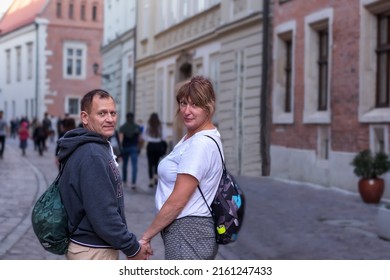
[(78, 252)]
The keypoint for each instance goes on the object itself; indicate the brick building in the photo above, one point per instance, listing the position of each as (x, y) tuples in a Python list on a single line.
[(330, 88), (48, 49)]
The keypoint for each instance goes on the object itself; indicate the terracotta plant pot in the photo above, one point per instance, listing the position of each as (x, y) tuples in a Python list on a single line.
[(371, 190)]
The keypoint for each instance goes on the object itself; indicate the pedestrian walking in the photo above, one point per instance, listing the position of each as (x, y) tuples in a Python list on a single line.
[(3, 133), (129, 135), (155, 148), (183, 219), (91, 188), (39, 136), (24, 134), (46, 123), (14, 128)]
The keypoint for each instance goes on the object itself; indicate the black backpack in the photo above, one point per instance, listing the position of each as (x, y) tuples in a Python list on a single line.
[(228, 206)]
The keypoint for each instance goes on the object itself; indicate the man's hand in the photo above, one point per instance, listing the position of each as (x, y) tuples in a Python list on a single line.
[(144, 253)]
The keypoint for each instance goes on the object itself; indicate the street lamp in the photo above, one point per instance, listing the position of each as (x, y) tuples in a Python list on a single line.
[(95, 67)]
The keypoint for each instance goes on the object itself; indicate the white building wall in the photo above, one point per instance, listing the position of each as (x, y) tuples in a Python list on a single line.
[(209, 35), (303, 166), (119, 17), (118, 51), (16, 96)]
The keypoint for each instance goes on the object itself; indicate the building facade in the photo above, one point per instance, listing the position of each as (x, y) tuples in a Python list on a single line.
[(48, 49), (118, 54), (330, 89), (217, 39)]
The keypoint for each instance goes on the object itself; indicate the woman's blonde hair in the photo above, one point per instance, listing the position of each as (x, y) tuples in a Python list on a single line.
[(200, 91)]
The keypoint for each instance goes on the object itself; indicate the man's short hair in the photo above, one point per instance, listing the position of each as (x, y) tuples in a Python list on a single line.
[(86, 101)]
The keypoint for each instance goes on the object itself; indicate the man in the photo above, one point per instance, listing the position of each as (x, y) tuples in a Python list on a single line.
[(3, 132), (129, 135), (91, 187), (46, 124)]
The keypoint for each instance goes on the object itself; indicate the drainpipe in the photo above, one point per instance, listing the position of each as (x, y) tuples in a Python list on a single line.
[(36, 68), (135, 60), (264, 112)]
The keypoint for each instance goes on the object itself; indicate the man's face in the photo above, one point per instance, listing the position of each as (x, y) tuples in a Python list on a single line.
[(102, 118)]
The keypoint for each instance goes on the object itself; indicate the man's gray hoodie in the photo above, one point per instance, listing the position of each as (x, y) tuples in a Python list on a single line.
[(91, 190)]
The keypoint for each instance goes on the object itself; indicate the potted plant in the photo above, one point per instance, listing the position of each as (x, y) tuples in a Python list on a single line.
[(369, 167)]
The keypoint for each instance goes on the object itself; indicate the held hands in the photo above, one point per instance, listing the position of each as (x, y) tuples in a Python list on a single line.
[(145, 252), (148, 247)]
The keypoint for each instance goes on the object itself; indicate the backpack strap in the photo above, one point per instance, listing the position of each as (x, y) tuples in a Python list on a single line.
[(224, 171), (220, 153), (62, 166)]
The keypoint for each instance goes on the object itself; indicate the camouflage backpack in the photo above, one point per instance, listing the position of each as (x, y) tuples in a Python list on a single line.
[(228, 206), (50, 219)]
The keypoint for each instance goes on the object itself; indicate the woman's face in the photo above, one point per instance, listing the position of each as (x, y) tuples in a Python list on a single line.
[(194, 117)]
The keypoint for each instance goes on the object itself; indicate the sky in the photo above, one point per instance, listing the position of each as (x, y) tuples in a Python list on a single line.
[(4, 4)]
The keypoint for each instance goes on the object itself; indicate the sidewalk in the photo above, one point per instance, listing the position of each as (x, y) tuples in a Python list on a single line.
[(283, 221)]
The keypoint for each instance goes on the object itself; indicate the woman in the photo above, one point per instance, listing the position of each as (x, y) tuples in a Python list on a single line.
[(23, 136), (183, 218), (155, 148)]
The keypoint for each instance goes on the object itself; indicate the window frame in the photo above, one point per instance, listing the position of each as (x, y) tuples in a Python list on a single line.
[(75, 59), (18, 56), (30, 57), (94, 15), (323, 71), (83, 11), (368, 112), (283, 86), (71, 10), (68, 106), (316, 23), (382, 99), (59, 9)]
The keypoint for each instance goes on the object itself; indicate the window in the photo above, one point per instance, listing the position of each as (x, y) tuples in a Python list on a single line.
[(94, 12), (283, 73), (71, 10), (59, 9), (18, 63), (74, 60), (383, 61), (317, 66), (374, 87), (82, 11), (8, 67), (323, 71), (287, 72), (30, 56), (72, 106)]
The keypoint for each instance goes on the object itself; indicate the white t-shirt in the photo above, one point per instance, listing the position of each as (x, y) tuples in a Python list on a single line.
[(199, 157)]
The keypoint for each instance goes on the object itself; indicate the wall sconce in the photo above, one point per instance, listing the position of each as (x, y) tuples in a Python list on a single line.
[(95, 67)]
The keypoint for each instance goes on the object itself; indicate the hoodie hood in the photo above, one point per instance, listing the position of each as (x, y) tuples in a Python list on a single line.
[(75, 138)]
